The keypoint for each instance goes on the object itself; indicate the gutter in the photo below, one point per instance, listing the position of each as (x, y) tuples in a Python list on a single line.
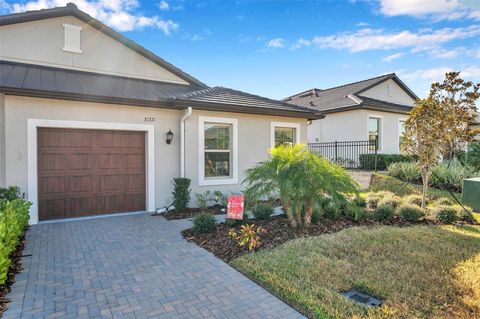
[(185, 116)]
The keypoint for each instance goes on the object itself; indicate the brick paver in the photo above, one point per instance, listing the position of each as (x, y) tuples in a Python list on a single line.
[(135, 266)]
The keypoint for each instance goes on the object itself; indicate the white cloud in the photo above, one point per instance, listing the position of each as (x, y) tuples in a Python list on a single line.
[(447, 54), (437, 74), (379, 39), (392, 57), (362, 24), (433, 9), (118, 14), (196, 37), (163, 5), (276, 43)]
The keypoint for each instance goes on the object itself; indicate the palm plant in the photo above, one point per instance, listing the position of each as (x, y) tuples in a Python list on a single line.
[(299, 178)]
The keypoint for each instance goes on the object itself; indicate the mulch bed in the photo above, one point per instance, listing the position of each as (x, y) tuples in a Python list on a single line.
[(192, 212), (15, 267), (278, 231)]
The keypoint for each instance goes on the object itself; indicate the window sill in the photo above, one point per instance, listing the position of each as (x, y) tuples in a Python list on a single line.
[(218, 181)]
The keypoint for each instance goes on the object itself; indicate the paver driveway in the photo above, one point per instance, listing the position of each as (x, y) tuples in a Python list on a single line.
[(135, 266)]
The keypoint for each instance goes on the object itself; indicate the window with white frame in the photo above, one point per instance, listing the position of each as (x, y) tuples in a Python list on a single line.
[(218, 151), (374, 131), (285, 134)]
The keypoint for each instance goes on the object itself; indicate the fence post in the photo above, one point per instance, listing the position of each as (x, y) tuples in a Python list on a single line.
[(376, 152), (336, 152)]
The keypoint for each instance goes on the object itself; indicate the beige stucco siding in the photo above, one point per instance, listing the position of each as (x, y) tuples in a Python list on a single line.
[(394, 95), (254, 137), (2, 140), (353, 126), (41, 42)]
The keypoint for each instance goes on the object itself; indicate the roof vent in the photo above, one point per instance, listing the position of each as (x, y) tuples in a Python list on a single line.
[(362, 298), (311, 103), (72, 38)]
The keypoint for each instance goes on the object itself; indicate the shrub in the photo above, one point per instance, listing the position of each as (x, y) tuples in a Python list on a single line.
[(10, 193), (248, 236), (359, 201), (202, 200), (465, 216), (391, 200), (406, 171), (472, 156), (383, 213), (203, 223), (236, 222), (445, 214), (181, 193), (367, 161), (13, 220), (263, 211), (317, 213), (410, 212), (413, 199), (372, 198), (354, 212), (220, 198), (331, 210)]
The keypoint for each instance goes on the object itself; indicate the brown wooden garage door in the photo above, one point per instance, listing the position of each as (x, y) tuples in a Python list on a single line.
[(90, 172)]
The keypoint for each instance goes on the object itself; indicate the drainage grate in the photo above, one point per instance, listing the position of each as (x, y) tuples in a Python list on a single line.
[(362, 298)]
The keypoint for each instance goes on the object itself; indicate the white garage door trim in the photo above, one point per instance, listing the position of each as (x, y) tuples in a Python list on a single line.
[(34, 124)]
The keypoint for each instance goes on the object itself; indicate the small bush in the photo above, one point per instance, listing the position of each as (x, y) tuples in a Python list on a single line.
[(359, 201), (367, 161), (248, 236), (392, 200), (413, 199), (10, 193), (445, 214), (181, 193), (465, 216), (450, 175), (406, 171), (323, 201), (372, 198), (410, 212), (202, 200), (443, 201), (332, 210), (354, 212), (316, 214), (263, 211), (383, 213), (203, 223)]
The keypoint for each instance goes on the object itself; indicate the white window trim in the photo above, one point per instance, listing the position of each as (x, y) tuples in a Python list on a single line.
[(273, 125), (398, 132), (32, 172), (208, 181), (380, 146), (75, 28)]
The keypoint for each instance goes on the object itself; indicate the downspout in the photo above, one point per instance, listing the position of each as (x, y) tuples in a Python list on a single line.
[(185, 116)]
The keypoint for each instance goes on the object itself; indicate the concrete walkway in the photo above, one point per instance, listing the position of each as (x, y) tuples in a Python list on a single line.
[(134, 266)]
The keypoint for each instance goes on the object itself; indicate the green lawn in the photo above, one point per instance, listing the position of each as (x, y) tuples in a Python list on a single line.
[(382, 182), (420, 271)]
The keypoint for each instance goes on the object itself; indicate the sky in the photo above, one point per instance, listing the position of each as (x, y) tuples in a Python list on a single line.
[(279, 48)]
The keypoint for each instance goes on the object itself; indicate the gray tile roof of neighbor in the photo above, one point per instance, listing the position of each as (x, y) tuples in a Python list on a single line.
[(50, 82), (348, 96)]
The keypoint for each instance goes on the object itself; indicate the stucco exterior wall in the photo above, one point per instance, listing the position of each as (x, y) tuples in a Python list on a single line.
[(2, 140), (41, 42), (254, 138), (395, 95), (353, 126)]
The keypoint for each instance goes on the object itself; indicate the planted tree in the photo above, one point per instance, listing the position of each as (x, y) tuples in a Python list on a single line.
[(299, 178), (437, 126)]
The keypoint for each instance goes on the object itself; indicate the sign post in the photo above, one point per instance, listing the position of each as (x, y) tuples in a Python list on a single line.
[(235, 207)]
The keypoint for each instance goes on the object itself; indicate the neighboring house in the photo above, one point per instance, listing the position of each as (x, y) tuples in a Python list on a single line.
[(85, 115), (372, 109)]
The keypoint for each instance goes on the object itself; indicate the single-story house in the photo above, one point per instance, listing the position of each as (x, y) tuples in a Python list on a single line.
[(92, 123), (372, 109)]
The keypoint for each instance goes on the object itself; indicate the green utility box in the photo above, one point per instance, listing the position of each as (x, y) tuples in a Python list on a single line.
[(471, 193)]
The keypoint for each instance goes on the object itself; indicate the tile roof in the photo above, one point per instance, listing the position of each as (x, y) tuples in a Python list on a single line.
[(49, 82), (347, 96)]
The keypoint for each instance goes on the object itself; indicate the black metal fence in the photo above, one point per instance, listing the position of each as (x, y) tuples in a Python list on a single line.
[(358, 155)]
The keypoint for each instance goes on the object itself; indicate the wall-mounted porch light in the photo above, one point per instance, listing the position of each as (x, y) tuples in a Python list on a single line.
[(169, 136)]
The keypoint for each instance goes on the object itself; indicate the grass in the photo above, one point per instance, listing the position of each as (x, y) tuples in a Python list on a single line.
[(420, 272), (381, 182)]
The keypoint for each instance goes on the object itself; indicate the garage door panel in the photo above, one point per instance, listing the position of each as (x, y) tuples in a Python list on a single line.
[(90, 172)]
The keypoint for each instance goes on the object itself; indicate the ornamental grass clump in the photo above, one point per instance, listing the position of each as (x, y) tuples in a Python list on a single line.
[(391, 200), (413, 199), (299, 177)]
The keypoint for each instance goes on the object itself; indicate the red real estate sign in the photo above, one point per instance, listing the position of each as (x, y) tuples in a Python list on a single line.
[(235, 207)]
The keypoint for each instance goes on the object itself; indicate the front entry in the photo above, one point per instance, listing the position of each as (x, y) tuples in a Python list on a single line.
[(90, 172)]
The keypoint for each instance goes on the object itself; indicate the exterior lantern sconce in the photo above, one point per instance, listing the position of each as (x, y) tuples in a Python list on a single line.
[(169, 136)]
